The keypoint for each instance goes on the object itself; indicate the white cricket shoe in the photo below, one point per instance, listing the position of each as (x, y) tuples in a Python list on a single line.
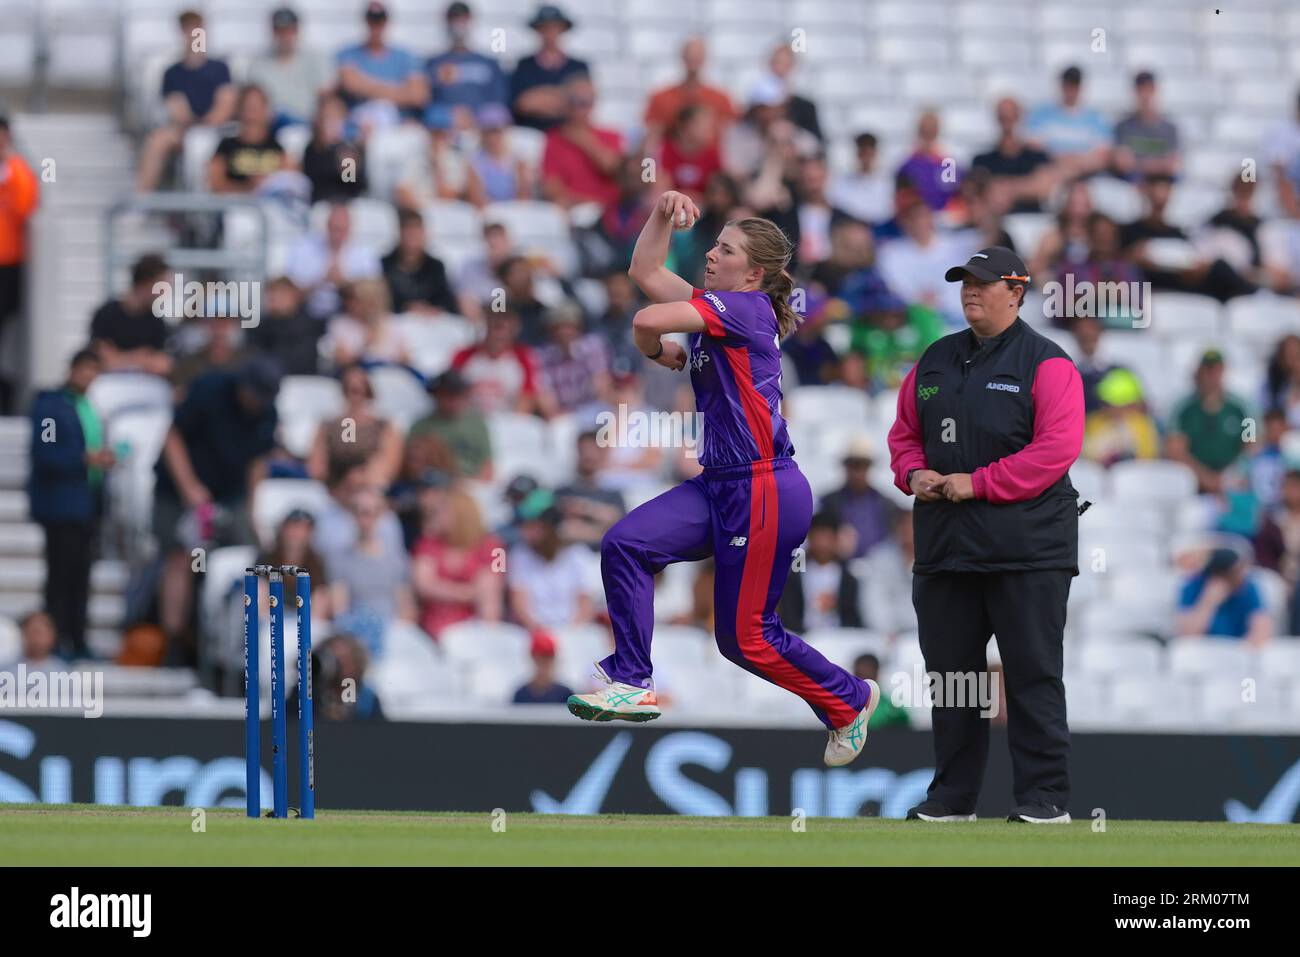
[(615, 702), (846, 743)]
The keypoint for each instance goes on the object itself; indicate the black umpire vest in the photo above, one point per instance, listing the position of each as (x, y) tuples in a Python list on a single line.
[(975, 405)]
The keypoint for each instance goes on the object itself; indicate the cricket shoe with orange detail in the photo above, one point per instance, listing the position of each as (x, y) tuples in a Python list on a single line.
[(846, 743), (615, 702)]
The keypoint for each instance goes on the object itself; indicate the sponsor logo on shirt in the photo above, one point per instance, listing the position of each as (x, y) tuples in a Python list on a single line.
[(739, 540), (698, 358), (717, 303), (927, 391), (1002, 387)]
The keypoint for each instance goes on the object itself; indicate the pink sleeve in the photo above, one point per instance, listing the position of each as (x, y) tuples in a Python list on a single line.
[(906, 448), (1058, 438)]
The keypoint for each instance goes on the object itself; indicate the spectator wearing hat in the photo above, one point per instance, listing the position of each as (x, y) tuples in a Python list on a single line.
[(867, 193), (459, 424), (19, 195), (495, 174), (711, 105), (501, 372), (580, 161), (547, 579), (293, 77), (863, 510), (1146, 141), (196, 91), (587, 507), (1205, 428), (1022, 174), (417, 282), (1120, 428), (320, 264), (537, 94), (542, 688), (1221, 600), (380, 83), (1077, 137), (574, 364), (822, 591), (212, 460), (462, 79), (457, 565), (333, 160), (69, 462), (126, 334)]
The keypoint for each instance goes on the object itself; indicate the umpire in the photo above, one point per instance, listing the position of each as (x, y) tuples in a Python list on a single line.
[(989, 422)]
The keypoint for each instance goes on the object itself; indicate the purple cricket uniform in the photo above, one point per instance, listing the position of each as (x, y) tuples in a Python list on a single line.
[(750, 509)]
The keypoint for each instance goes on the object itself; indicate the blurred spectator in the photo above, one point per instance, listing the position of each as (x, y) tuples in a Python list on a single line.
[(340, 692), (824, 592), (637, 461), (690, 155), (457, 565), (1233, 234), (1282, 154), (358, 435), (887, 581), (244, 160), (517, 276), (1092, 365), (1278, 544), (457, 423), (975, 214), (746, 144), (1146, 141), (851, 250), (65, 489), (574, 365), (1166, 254), (1267, 465), (1022, 174), (802, 112), (196, 91), (380, 83), (428, 466), (621, 222), (501, 372), (365, 331), (542, 688), (480, 275), (1105, 262), (581, 160), (211, 463), (19, 195), (1065, 241), (336, 527), (285, 331), (417, 282), (587, 508), (1222, 600), (887, 714), (806, 348), (866, 193), (441, 172), (39, 644), (689, 247), (864, 513), (202, 344), (547, 580), (293, 546), (912, 266), (292, 77), (711, 105), (615, 323), (537, 94), (1077, 137), (321, 264), (333, 162), (1120, 428), (1205, 428), (495, 174), (1282, 379), (460, 78), (372, 578), (931, 169), (892, 336), (126, 333), (773, 192), (816, 214)]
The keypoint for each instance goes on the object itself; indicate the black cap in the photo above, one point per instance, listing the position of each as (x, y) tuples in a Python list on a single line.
[(283, 17), (1145, 76), (1220, 561), (1072, 75), (261, 376), (450, 381), (376, 11), (991, 264), (457, 9), (549, 13), (519, 488)]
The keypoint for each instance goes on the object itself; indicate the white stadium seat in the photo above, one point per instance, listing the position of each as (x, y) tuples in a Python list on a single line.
[(277, 497), (304, 401)]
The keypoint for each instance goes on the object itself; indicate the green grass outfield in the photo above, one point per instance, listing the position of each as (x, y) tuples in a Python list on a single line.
[(96, 835)]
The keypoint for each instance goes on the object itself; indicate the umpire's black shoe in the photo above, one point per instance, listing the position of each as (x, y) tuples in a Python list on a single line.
[(932, 810), (1040, 814)]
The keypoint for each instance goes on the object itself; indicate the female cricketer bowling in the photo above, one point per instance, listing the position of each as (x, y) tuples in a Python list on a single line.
[(750, 508)]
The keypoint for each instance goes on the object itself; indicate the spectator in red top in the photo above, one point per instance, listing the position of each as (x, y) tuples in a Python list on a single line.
[(666, 105), (19, 193), (502, 372), (690, 154), (455, 564), (581, 161)]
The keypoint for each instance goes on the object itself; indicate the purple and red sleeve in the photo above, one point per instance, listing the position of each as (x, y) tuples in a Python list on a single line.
[(1057, 441), (906, 445), (728, 324)]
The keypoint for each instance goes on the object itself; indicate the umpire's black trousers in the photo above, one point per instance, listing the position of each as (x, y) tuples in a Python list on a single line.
[(956, 614)]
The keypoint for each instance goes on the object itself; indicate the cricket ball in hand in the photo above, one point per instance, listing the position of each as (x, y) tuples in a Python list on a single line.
[(684, 220)]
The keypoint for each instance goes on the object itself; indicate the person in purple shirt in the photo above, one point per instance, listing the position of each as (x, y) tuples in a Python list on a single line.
[(750, 508)]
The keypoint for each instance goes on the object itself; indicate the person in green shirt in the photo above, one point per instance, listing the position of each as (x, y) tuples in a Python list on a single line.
[(892, 335), (1205, 429), (456, 423), (887, 714)]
